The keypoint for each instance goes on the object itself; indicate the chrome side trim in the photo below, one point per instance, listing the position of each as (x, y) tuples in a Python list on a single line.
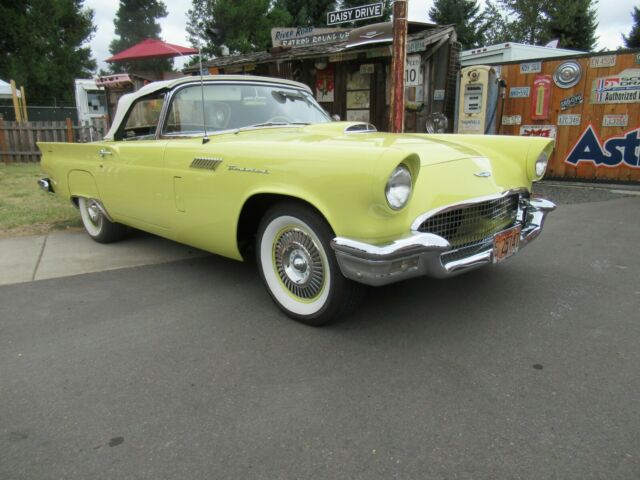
[(465, 203)]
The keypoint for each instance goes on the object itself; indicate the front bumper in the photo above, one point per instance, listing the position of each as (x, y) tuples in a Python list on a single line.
[(420, 254)]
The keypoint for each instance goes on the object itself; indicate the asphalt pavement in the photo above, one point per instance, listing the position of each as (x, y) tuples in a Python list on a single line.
[(186, 370)]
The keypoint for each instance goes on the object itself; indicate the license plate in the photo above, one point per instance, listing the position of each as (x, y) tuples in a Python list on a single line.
[(506, 244)]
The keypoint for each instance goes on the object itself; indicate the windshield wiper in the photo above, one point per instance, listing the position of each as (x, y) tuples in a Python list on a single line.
[(274, 124)]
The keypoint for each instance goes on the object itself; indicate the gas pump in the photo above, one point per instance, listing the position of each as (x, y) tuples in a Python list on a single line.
[(478, 93)]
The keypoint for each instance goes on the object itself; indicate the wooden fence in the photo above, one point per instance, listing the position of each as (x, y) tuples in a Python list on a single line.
[(595, 123), (18, 140)]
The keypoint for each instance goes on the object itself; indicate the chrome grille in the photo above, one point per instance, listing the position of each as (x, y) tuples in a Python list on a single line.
[(470, 228)]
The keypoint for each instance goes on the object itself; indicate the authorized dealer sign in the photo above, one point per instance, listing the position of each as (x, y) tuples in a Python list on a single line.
[(354, 14)]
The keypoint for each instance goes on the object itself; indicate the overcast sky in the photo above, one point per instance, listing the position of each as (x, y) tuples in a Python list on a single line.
[(612, 20)]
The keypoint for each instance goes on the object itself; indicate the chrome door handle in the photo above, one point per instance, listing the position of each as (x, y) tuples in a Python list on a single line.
[(103, 153)]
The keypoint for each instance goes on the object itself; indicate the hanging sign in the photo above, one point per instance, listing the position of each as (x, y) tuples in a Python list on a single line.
[(541, 97), (519, 92), (602, 61), (614, 152), (621, 88), (532, 67), (569, 120), (299, 36), (354, 14), (547, 131)]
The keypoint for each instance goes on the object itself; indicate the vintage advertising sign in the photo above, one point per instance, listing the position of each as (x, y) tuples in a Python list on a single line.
[(325, 84), (621, 88), (532, 67), (511, 119), (519, 92), (614, 152), (569, 120), (412, 71), (354, 14), (541, 97), (547, 131), (602, 61), (569, 102), (615, 120), (299, 36)]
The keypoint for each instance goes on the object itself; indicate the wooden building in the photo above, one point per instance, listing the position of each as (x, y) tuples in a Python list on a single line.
[(589, 103), (350, 73)]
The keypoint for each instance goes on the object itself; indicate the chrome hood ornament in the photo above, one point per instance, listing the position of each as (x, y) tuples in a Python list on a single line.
[(484, 174)]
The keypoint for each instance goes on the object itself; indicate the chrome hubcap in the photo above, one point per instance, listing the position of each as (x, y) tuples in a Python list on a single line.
[(94, 212), (299, 264)]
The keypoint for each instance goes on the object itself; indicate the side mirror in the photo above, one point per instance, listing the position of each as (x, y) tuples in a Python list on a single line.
[(335, 117)]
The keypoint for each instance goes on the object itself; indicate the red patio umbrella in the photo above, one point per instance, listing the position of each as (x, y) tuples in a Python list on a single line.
[(151, 48)]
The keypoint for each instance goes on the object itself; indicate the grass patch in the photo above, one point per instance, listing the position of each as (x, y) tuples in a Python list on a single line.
[(25, 209)]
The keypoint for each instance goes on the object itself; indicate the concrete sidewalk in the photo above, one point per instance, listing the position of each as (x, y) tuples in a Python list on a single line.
[(61, 254)]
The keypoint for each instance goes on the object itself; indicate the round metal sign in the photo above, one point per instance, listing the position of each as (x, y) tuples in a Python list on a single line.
[(567, 74)]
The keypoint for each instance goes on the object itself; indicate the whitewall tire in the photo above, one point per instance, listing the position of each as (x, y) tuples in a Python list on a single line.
[(96, 224), (298, 266)]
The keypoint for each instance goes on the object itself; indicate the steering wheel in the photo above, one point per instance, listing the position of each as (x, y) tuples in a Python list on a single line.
[(278, 119)]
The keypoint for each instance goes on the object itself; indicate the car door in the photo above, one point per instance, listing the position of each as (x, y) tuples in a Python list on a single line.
[(132, 179)]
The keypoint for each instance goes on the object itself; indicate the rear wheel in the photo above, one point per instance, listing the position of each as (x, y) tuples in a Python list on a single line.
[(299, 268), (97, 224)]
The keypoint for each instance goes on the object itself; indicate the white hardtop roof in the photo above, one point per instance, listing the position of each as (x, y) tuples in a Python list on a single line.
[(5, 90), (127, 100), (508, 45)]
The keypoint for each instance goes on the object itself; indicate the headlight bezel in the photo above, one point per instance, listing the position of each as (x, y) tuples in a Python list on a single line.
[(542, 159), (400, 174)]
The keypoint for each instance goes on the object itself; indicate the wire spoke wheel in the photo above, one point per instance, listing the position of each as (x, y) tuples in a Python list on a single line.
[(299, 263)]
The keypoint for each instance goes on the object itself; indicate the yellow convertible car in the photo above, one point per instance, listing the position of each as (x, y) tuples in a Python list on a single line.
[(242, 166)]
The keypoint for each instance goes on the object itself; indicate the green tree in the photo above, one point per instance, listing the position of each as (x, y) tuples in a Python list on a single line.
[(633, 39), (307, 13), (496, 27), (137, 20), (241, 25), (43, 44), (531, 21), (573, 23), (465, 15)]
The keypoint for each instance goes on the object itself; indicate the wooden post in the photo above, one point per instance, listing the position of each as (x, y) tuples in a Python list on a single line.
[(23, 97), (16, 104), (69, 131), (396, 120), (3, 142)]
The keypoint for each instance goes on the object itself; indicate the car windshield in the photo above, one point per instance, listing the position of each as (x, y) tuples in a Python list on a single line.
[(240, 106)]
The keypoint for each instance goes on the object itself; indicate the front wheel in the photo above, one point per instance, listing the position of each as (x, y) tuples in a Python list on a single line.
[(97, 225), (299, 268)]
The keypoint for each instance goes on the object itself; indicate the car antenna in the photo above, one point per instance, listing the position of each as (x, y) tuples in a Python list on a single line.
[(205, 139)]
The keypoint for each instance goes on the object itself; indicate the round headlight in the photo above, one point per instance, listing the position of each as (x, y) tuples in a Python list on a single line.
[(541, 165), (398, 187)]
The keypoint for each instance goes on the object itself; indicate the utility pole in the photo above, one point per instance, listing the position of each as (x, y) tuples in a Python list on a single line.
[(396, 120)]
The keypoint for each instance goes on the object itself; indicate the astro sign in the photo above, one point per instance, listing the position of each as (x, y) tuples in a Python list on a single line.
[(613, 152)]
